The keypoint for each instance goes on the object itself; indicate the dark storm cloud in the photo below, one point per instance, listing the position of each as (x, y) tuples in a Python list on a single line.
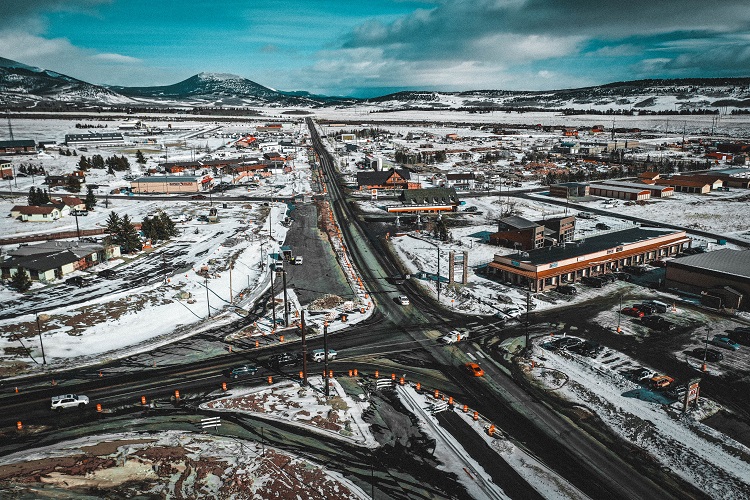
[(17, 12), (453, 28)]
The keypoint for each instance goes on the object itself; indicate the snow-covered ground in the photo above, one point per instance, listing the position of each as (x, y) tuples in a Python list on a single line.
[(713, 462), (170, 464)]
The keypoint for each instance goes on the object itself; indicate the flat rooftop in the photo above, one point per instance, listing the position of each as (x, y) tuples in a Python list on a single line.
[(733, 262), (587, 246)]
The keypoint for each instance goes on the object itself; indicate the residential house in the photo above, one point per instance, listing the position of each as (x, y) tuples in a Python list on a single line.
[(43, 213), (464, 181), (431, 200), (389, 179), (54, 259)]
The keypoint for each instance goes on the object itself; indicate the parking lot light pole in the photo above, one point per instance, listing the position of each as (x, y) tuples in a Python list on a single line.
[(208, 300)]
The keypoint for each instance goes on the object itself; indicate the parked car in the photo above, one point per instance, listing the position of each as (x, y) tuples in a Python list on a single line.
[(403, 300), (198, 197), (567, 342), (711, 354), (284, 359), (725, 342), (658, 306), (567, 289), (661, 381), (298, 260), (637, 270), (513, 312), (474, 369), (644, 308), (107, 273), (631, 311), (69, 401), (318, 355), (587, 348), (658, 323), (740, 335), (592, 281), (243, 371), (76, 280), (641, 374), (602, 226), (622, 276)]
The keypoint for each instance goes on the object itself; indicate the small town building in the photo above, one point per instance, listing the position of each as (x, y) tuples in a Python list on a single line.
[(389, 179), (171, 184), (520, 233), (655, 190), (18, 146), (463, 181), (720, 277), (569, 190), (685, 185), (547, 267), (33, 213), (619, 192), (54, 259), (95, 139), (431, 200)]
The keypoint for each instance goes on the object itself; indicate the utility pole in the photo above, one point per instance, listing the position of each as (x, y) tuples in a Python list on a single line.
[(528, 307), (208, 300), (78, 230), (704, 367), (438, 274), (286, 304), (325, 358), (304, 348), (619, 313), (273, 302), (231, 295), (41, 342)]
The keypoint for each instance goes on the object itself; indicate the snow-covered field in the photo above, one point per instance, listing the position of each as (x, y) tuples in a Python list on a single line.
[(715, 463)]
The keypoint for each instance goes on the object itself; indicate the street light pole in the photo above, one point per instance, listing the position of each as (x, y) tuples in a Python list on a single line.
[(619, 313), (41, 342)]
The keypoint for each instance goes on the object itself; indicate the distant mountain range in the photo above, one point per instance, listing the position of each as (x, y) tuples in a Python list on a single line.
[(23, 86)]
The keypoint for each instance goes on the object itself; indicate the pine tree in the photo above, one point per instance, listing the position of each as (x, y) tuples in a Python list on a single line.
[(90, 199), (44, 198), (32, 199), (131, 241), (114, 225), (73, 184), (21, 280), (169, 225), (139, 158)]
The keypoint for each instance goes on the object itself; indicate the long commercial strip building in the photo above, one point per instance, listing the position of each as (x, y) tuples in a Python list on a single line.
[(548, 267)]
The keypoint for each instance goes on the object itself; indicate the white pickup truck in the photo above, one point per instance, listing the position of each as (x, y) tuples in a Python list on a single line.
[(69, 401), (454, 336)]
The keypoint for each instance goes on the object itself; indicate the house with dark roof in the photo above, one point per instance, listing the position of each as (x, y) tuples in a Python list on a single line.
[(54, 259), (721, 274), (395, 178), (32, 213), (463, 180), (431, 200)]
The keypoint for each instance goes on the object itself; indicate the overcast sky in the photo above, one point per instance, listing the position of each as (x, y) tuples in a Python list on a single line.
[(372, 47)]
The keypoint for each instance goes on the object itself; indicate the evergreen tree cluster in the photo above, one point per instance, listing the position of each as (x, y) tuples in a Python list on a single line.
[(73, 184), (38, 197), (112, 163), (405, 157), (66, 152), (159, 228), (139, 158), (31, 169), (122, 232)]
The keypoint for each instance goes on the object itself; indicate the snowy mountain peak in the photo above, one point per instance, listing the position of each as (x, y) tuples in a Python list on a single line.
[(218, 77)]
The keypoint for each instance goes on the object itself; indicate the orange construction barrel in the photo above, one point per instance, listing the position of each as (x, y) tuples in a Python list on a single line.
[(476, 415), (270, 379), (143, 400), (99, 407), (223, 386), (176, 394), (19, 425)]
